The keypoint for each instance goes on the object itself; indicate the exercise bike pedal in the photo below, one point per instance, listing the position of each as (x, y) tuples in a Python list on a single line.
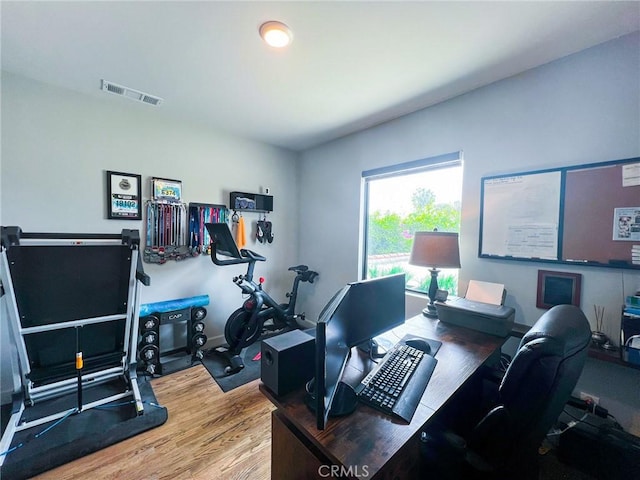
[(234, 361), (235, 365)]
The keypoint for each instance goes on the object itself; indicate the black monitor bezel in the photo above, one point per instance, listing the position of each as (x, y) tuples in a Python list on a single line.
[(323, 398), (355, 286), (323, 406)]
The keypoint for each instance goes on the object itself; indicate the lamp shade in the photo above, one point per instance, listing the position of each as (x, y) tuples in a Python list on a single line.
[(436, 250)]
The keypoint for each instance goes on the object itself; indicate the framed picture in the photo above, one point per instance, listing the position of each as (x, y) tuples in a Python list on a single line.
[(558, 288), (166, 190), (124, 200)]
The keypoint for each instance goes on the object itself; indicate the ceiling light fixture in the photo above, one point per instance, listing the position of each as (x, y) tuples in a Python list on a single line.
[(276, 34)]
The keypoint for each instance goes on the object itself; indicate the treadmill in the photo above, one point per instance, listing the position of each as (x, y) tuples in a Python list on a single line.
[(72, 303)]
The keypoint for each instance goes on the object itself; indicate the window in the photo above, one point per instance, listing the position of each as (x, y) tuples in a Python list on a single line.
[(422, 195)]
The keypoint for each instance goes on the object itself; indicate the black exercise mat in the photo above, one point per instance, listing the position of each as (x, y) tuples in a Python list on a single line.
[(215, 364), (80, 435)]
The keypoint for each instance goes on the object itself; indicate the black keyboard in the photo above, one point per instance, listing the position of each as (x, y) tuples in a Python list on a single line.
[(395, 386)]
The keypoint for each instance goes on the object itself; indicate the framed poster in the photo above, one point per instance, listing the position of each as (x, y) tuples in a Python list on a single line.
[(626, 224), (166, 190), (124, 196), (558, 288)]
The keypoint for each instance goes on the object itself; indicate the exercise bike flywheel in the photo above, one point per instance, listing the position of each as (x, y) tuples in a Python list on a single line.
[(239, 332)]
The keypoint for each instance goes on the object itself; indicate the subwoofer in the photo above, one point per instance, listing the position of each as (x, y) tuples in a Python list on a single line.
[(287, 361)]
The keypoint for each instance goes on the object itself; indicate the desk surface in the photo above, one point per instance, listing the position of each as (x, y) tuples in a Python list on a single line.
[(368, 437)]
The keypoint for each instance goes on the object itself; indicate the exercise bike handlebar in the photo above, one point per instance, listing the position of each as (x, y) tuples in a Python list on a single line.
[(247, 256), (252, 255)]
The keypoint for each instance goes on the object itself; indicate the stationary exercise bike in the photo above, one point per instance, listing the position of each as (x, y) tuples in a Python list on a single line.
[(259, 314)]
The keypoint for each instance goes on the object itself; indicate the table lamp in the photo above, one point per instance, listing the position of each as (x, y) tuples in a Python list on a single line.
[(434, 250)]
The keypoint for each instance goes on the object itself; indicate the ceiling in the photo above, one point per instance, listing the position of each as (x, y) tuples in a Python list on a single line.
[(351, 65)]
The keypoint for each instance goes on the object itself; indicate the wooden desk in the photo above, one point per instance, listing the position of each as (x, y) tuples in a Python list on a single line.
[(369, 444)]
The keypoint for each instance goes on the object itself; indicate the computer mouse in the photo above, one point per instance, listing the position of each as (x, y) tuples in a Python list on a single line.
[(419, 344)]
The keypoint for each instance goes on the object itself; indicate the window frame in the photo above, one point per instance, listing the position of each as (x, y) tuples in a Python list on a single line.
[(447, 160)]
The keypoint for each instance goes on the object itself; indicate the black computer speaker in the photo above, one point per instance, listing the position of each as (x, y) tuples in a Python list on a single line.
[(287, 361)]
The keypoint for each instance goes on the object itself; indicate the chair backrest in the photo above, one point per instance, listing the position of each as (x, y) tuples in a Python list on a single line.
[(535, 388)]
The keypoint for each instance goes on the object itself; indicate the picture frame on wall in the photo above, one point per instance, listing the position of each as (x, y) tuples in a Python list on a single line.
[(558, 288), (166, 190), (124, 196)]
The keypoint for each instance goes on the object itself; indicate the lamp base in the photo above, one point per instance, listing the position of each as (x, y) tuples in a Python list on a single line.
[(430, 311)]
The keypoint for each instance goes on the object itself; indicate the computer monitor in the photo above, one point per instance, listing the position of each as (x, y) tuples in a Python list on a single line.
[(357, 313), (375, 306)]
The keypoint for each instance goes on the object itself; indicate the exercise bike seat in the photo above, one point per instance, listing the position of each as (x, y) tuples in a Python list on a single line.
[(299, 268)]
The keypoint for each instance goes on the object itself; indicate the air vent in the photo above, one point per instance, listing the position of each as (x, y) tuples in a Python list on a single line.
[(130, 93), (110, 87), (151, 100)]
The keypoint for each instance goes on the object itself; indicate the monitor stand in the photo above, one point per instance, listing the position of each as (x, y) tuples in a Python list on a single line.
[(372, 348), (344, 401)]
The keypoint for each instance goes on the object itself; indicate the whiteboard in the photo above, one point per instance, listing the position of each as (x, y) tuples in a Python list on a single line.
[(520, 215)]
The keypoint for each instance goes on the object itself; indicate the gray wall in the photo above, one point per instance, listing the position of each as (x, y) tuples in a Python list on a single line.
[(57, 144), (584, 108), (581, 109)]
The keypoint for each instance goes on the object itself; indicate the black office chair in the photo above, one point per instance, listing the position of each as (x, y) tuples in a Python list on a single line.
[(533, 392)]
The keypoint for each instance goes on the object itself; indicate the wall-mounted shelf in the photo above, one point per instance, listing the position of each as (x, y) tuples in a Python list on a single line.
[(250, 202)]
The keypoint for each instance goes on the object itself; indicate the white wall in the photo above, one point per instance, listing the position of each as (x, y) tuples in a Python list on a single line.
[(584, 108), (581, 109), (57, 144)]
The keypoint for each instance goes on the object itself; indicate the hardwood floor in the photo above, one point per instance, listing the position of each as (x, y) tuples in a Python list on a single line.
[(209, 435)]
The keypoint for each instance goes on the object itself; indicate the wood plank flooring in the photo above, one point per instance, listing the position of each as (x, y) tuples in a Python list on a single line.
[(209, 435)]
